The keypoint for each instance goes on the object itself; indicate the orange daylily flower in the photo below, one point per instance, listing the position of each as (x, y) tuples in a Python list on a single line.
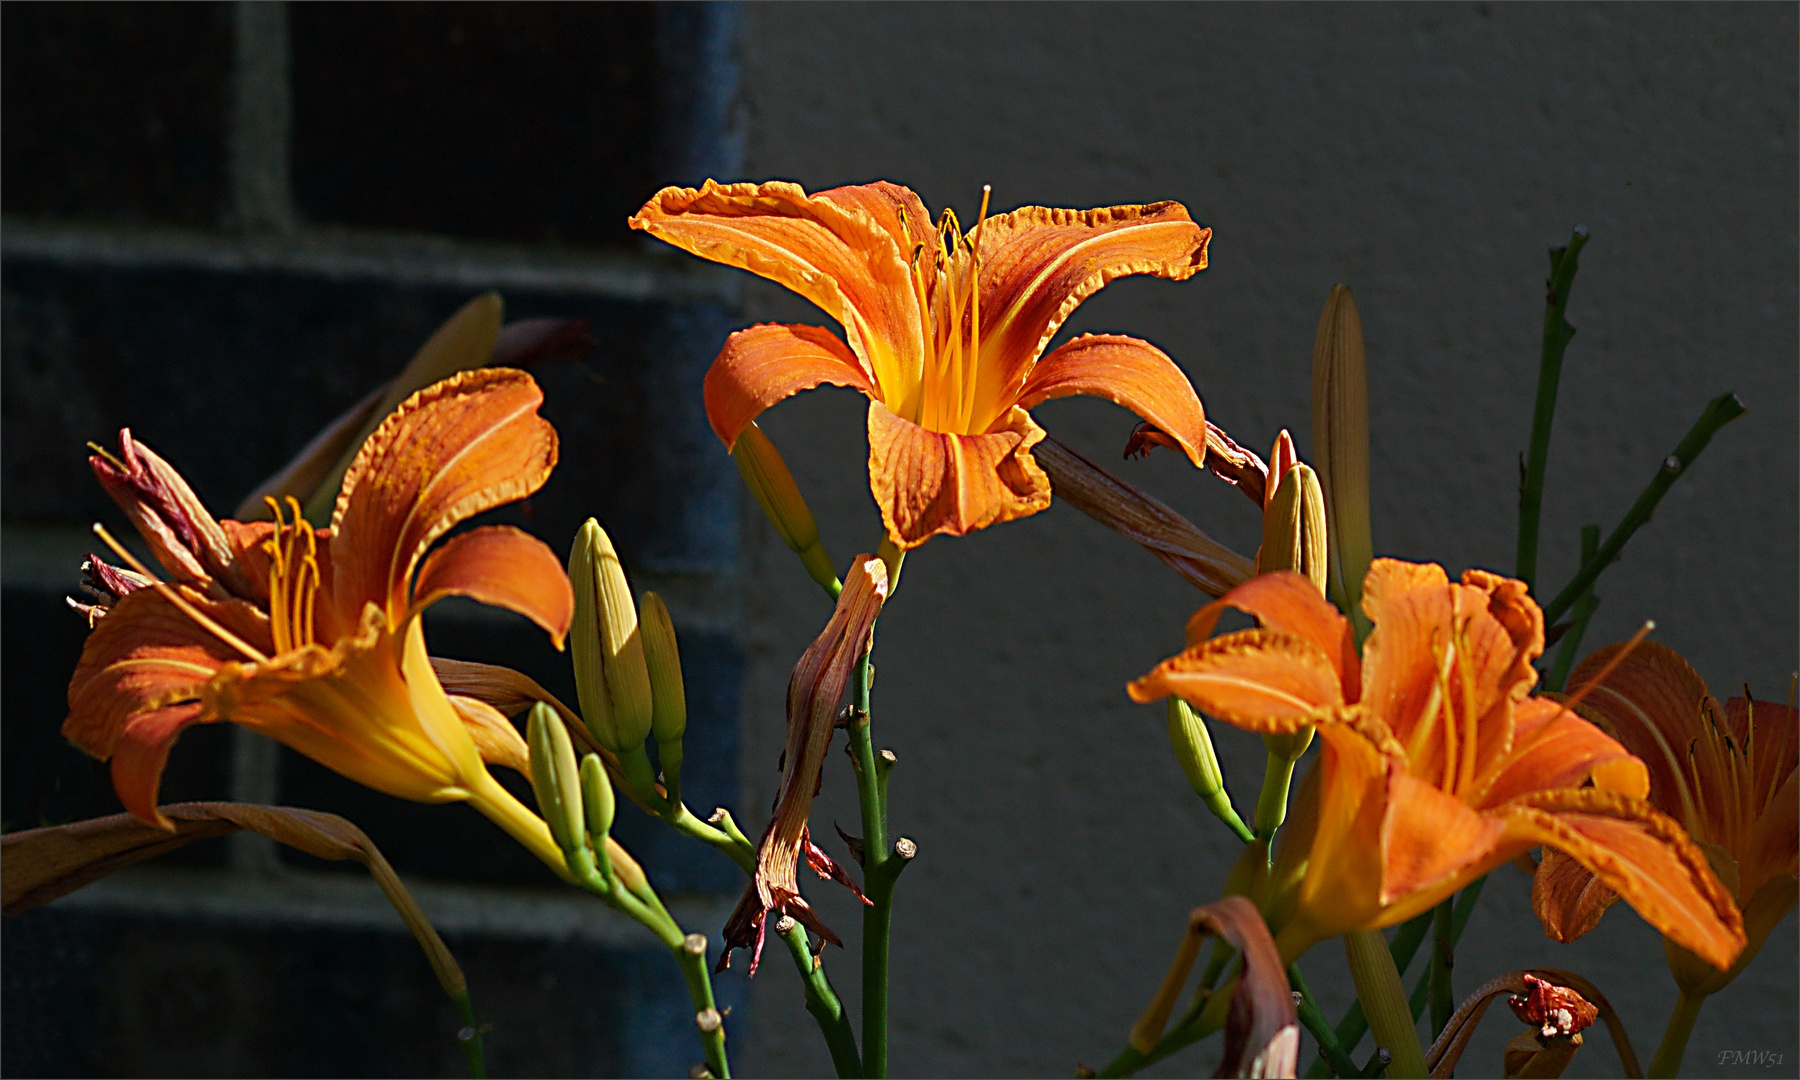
[(943, 331), (1728, 774), (313, 636), (1437, 765)]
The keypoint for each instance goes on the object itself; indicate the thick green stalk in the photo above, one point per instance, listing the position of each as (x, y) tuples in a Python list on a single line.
[(1443, 951), (1673, 1048), (1719, 411), (1384, 1001), (882, 864), (1558, 676), (470, 1037), (1314, 1019), (1354, 1025), (1271, 803), (822, 1001), (1557, 333)]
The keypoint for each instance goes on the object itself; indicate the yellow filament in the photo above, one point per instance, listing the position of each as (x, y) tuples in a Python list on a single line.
[(1420, 740), (293, 577), (965, 391), (173, 596), (1471, 720)]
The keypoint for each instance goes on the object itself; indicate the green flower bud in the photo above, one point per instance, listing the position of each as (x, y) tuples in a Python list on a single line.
[(668, 716), (554, 777), (611, 680), (1340, 423), (1294, 528), (767, 476), (1194, 749), (598, 800)]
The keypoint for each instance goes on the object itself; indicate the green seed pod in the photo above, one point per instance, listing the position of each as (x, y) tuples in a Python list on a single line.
[(597, 798), (611, 680), (554, 776)]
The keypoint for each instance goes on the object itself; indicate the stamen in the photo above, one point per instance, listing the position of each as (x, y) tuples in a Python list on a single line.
[(172, 596), (1624, 651), (965, 397), (108, 456), (293, 576)]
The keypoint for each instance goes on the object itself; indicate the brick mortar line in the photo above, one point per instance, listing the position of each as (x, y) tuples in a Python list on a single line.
[(312, 898), (401, 258)]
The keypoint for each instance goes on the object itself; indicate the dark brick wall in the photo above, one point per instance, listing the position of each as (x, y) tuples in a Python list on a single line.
[(492, 133)]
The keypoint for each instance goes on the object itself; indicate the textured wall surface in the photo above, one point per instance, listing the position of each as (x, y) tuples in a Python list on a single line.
[(1425, 155)]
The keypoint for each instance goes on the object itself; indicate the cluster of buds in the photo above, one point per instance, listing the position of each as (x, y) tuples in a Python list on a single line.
[(627, 668), (576, 801)]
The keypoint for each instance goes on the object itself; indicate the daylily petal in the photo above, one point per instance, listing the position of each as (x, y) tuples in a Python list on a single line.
[(928, 483), (895, 208), (1125, 371), (767, 363), (501, 566), (1774, 746), (1642, 855), (185, 538), (1774, 847), (1289, 603), (1258, 680), (1566, 896), (1426, 835), (141, 752), (1554, 748), (145, 650), (1038, 264), (461, 446), (835, 254), (1330, 854), (498, 742), (1659, 708), (1410, 605)]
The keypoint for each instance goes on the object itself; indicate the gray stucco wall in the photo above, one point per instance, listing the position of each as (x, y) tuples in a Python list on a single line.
[(1426, 156)]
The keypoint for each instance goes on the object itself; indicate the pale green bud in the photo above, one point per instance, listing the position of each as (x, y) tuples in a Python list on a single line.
[(597, 799), (668, 716), (767, 476), (1294, 528), (1194, 749), (611, 680), (554, 777)]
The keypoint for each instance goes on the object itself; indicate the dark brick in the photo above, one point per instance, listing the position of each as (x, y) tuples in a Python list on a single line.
[(525, 121), (92, 994), (227, 374), (115, 111)]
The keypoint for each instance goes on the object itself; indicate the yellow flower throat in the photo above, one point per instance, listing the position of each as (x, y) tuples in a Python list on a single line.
[(942, 398)]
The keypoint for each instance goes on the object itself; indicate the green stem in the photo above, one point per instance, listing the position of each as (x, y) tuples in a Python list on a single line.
[(1719, 411), (725, 835), (1557, 333), (1354, 1025), (1206, 1018), (1558, 675), (470, 1037), (1667, 1061), (822, 1001), (1314, 1019), (1384, 1002), (1437, 975), (882, 864)]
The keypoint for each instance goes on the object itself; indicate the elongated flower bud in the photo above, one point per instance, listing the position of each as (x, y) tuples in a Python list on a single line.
[(767, 476), (1294, 528), (611, 679), (597, 799), (668, 715), (1340, 419), (1194, 750), (554, 777)]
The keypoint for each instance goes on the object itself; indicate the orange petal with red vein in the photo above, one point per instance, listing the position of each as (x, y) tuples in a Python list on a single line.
[(456, 448), (898, 211), (1426, 835), (1658, 708), (501, 566), (1567, 898), (1259, 680), (928, 483), (764, 364), (143, 651), (498, 742), (835, 254), (141, 752), (1641, 854), (1289, 603), (1038, 264), (1125, 371), (1554, 748)]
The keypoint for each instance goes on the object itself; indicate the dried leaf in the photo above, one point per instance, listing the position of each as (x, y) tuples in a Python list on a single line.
[(1547, 993), (1262, 1037), (39, 865)]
